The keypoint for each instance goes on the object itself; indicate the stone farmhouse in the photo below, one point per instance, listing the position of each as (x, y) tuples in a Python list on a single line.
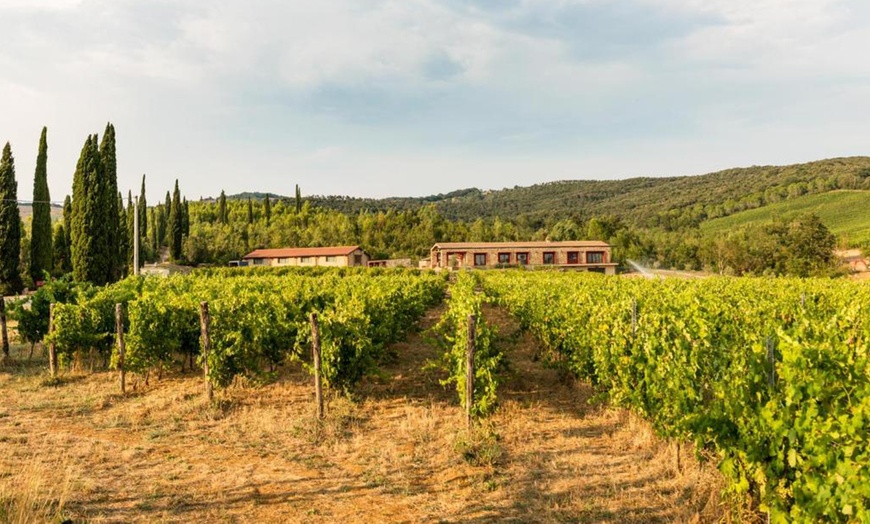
[(585, 255), (338, 256)]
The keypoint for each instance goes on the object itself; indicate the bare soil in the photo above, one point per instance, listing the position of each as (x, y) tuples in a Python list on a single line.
[(397, 452)]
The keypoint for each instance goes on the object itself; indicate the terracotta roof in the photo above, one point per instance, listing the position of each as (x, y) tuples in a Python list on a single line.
[(520, 245), (292, 252)]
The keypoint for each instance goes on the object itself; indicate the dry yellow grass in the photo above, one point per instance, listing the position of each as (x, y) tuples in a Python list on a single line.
[(396, 453)]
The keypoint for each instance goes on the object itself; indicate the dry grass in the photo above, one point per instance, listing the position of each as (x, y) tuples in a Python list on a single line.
[(397, 452)]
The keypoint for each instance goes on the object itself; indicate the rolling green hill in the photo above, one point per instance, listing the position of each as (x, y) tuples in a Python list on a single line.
[(668, 202), (846, 213)]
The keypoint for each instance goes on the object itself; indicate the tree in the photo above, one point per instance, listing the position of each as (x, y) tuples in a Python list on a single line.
[(114, 225), (222, 208), (10, 226), (267, 209), (185, 217), (250, 211), (131, 215), (40, 229), (143, 212), (124, 238), (298, 199), (91, 259), (61, 250), (67, 230), (176, 225)]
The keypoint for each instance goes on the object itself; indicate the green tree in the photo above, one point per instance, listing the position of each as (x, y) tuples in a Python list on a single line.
[(61, 251), (267, 208), (124, 238), (10, 226), (40, 229), (143, 212), (67, 232), (222, 208), (114, 225), (176, 224), (250, 211), (298, 199), (91, 259)]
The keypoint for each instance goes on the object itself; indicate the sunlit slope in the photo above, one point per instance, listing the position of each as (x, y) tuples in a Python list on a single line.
[(845, 213)]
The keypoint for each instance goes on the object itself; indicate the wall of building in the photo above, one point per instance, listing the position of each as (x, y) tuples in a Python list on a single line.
[(465, 258), (318, 261)]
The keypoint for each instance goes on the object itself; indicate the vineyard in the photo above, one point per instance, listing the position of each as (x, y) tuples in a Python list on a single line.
[(767, 378)]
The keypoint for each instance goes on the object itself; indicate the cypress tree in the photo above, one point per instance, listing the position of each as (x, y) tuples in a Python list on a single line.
[(250, 211), (61, 250), (185, 223), (222, 208), (175, 224), (67, 229), (267, 209), (124, 239), (298, 199), (109, 163), (143, 211), (154, 222), (40, 231), (90, 249), (10, 226), (130, 226)]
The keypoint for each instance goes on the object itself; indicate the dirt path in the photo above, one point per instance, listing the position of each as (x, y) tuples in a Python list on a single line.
[(392, 455)]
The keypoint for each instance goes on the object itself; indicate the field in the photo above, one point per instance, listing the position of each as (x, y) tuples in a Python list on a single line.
[(397, 452), (844, 213)]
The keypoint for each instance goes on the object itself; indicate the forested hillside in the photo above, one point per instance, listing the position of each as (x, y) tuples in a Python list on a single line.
[(671, 202)]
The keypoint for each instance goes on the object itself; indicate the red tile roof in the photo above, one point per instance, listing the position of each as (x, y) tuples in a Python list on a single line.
[(294, 252)]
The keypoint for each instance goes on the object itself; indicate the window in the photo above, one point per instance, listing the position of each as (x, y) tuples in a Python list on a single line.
[(305, 260), (522, 258), (282, 261), (504, 258), (549, 257), (330, 259), (595, 257), (258, 261), (480, 259), (573, 257), (357, 260)]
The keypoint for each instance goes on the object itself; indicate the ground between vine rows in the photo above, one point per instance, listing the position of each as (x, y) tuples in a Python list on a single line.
[(394, 454)]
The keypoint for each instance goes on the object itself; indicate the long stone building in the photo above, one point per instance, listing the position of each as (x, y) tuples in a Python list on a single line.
[(591, 255), (338, 256)]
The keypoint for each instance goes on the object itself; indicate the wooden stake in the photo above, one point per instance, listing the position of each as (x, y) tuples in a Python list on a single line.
[(52, 347), (5, 334), (315, 349), (469, 373), (122, 348), (204, 320)]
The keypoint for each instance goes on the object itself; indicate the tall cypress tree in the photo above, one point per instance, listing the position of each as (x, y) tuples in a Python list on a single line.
[(67, 231), (267, 209), (298, 199), (185, 223), (60, 250), (91, 258), (40, 231), (109, 163), (222, 208), (131, 210), (143, 211), (123, 238), (175, 224), (250, 211), (154, 240), (10, 226)]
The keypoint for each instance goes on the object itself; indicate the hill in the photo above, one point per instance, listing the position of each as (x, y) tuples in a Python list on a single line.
[(25, 210), (669, 202), (843, 212)]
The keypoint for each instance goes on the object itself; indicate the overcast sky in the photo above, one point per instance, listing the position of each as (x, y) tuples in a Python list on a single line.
[(414, 97)]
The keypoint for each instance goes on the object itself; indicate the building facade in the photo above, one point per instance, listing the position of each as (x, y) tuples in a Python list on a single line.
[(339, 256), (586, 255)]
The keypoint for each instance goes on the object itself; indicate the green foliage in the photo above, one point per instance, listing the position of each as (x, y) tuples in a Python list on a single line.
[(10, 226), (176, 224), (93, 257), (32, 314), (40, 229), (772, 375), (452, 331)]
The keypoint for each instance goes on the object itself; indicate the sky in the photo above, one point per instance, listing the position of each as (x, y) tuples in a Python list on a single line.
[(380, 98)]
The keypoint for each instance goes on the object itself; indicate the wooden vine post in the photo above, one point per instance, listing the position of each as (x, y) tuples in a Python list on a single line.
[(204, 320), (122, 348), (52, 347), (5, 334), (469, 373), (315, 349)]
